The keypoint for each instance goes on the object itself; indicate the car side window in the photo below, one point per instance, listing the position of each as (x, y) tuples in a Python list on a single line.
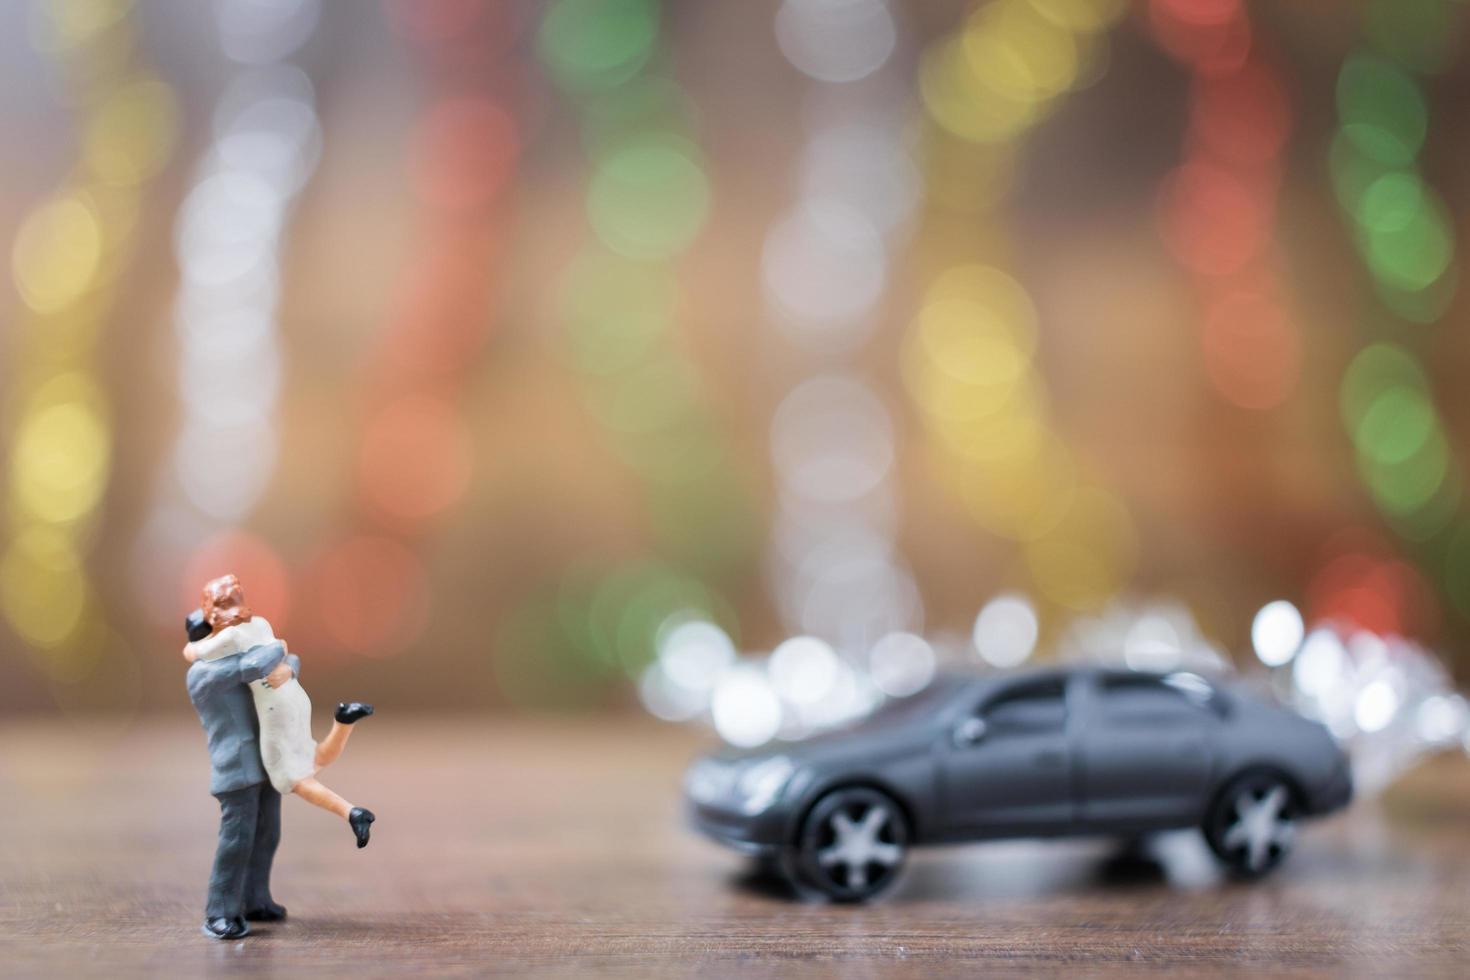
[(1030, 708), (1150, 700)]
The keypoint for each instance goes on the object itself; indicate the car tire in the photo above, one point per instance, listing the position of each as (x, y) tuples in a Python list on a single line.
[(851, 845), (1251, 825)]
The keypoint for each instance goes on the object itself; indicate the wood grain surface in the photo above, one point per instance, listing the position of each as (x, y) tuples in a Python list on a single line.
[(557, 846)]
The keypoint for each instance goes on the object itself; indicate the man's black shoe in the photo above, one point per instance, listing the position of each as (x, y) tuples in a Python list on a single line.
[(223, 928), (270, 912)]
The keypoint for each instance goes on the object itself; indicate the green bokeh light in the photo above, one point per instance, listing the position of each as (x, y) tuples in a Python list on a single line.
[(1375, 368), (1457, 568), (1425, 305), (714, 528), (616, 310), (1396, 426), (649, 103), (1428, 521), (682, 454), (1382, 109), (648, 197), (1352, 172), (1417, 33), (651, 396), (596, 44), (537, 665), (1406, 487), (1407, 241)]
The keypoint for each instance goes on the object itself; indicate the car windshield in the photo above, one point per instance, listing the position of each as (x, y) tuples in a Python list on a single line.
[(932, 698)]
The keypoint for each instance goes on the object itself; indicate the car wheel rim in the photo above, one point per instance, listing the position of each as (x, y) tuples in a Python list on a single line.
[(1260, 827), (859, 848)]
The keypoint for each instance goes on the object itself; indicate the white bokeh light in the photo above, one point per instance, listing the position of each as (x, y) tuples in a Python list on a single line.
[(824, 267), (1153, 643), (745, 710), (902, 664), (831, 440), (665, 699), (803, 670), (1377, 704), (1006, 630), (693, 653), (1321, 666), (836, 40), (1277, 632)]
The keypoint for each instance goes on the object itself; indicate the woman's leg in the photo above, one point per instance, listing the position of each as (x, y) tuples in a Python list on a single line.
[(360, 820), (348, 713), (329, 748), (312, 791)]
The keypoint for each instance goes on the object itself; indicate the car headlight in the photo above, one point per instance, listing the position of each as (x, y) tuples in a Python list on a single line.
[(759, 785), (707, 781)]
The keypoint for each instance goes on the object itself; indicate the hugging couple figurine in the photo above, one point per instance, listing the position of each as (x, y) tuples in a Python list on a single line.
[(257, 720)]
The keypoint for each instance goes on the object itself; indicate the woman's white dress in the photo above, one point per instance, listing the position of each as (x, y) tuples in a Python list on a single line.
[(286, 745)]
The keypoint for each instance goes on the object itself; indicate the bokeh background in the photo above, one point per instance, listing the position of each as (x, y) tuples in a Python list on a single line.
[(578, 354)]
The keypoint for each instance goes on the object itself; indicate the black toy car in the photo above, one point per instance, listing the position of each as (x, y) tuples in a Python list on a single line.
[(1053, 753)]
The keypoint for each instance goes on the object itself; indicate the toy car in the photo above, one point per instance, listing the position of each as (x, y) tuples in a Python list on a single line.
[(1041, 754)]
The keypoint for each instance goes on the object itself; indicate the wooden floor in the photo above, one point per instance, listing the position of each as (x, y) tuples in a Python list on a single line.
[(556, 847)]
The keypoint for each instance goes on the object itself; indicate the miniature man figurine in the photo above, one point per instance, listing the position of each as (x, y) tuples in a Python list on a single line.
[(257, 719)]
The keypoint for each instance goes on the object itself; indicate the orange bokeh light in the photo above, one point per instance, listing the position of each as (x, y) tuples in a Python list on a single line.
[(1252, 352), (367, 595), (416, 458)]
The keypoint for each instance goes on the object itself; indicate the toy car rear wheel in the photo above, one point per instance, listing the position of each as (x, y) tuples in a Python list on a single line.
[(852, 844), (1251, 826)]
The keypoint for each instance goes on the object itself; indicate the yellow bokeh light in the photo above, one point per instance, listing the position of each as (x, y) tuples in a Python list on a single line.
[(993, 289), (1080, 16), (1083, 561), (131, 134), (1022, 496), (57, 253), (63, 24), (969, 178), (60, 461), (43, 589), (1040, 58), (970, 105)]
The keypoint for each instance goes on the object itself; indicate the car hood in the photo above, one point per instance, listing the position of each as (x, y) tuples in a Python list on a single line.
[(866, 743)]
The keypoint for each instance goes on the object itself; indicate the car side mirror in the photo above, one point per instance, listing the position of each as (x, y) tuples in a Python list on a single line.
[(969, 732)]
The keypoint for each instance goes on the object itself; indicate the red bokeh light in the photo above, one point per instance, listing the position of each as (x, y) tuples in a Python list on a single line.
[(441, 313), (1243, 117), (465, 151), (1212, 221), (1212, 36), (261, 571), (1361, 584)]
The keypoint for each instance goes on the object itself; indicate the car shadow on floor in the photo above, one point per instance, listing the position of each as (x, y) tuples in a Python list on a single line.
[(1023, 869)]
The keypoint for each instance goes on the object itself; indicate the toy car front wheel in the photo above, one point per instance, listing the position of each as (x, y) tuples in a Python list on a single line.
[(852, 844), (1252, 825)]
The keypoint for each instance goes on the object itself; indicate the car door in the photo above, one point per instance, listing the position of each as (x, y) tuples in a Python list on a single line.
[(1145, 750), (1007, 766)]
